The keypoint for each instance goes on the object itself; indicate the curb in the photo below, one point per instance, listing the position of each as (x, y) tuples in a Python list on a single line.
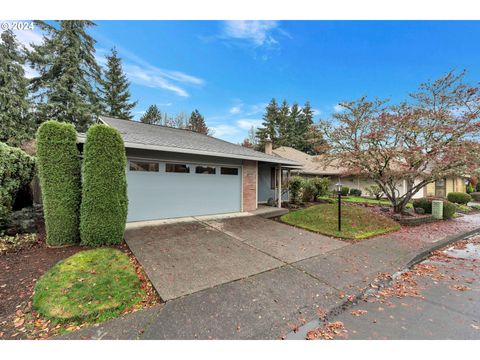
[(425, 253), (438, 245)]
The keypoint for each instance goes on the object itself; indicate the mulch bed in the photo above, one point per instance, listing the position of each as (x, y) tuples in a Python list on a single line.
[(19, 271)]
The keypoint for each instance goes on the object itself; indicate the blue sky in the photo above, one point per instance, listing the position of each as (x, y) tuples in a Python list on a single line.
[(230, 70)]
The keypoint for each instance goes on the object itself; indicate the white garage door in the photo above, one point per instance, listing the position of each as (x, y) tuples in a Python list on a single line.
[(161, 190)]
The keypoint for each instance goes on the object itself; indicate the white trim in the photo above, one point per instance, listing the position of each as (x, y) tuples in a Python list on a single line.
[(241, 191), (256, 186)]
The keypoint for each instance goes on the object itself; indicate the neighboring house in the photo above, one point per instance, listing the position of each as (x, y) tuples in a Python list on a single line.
[(315, 166), (176, 173)]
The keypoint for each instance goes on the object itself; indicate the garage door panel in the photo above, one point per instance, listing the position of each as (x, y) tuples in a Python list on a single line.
[(163, 195)]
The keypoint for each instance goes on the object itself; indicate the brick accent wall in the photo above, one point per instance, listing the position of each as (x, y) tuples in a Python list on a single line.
[(249, 185)]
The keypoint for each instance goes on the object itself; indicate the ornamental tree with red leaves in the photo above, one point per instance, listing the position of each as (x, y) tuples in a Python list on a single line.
[(432, 135)]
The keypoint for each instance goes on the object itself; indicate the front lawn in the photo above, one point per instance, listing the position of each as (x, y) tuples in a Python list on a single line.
[(90, 285), (357, 222)]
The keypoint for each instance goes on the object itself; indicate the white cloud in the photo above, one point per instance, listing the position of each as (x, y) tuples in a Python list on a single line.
[(27, 37), (257, 32), (246, 124), (338, 108), (225, 130), (235, 109), (143, 73)]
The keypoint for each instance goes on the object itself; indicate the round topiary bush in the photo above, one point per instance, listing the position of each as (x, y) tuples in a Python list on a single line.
[(16, 170), (459, 198), (104, 195), (59, 173), (449, 209)]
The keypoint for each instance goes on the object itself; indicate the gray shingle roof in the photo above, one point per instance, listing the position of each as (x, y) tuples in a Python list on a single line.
[(162, 138)]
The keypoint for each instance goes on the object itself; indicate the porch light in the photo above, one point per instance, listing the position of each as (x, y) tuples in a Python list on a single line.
[(338, 187)]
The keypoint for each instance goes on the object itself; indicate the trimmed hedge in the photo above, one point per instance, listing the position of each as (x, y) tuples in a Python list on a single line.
[(449, 208), (345, 190), (355, 192), (459, 198), (103, 211), (309, 190), (59, 173), (16, 170)]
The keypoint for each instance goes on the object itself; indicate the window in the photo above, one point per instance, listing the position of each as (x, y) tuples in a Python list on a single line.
[(205, 170), (229, 171), (143, 166), (177, 168), (273, 178)]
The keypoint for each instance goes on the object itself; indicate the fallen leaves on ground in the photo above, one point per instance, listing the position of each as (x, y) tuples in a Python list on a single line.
[(359, 312), (329, 331)]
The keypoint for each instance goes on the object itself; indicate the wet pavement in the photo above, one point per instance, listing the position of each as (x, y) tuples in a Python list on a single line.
[(436, 299)]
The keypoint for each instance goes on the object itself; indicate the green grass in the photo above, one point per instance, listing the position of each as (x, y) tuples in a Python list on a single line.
[(90, 285), (357, 222), (363, 200)]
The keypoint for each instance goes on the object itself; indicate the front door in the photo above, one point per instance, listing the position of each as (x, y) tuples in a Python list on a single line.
[(440, 188)]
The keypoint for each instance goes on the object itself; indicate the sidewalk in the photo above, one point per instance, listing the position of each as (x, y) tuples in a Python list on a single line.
[(271, 304)]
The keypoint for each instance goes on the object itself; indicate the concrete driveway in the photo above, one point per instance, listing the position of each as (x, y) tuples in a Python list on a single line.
[(186, 257)]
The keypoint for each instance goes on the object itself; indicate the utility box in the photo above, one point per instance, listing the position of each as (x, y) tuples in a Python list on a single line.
[(437, 209)]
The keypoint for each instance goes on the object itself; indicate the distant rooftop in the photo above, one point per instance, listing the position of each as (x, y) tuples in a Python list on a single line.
[(163, 138), (311, 164)]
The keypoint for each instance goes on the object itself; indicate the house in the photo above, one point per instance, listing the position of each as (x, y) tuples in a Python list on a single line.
[(177, 173), (313, 166)]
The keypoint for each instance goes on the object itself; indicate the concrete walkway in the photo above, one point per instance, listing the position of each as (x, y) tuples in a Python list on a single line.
[(268, 305), (183, 258)]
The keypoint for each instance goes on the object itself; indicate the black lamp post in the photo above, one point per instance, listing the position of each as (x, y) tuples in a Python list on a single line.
[(338, 187)]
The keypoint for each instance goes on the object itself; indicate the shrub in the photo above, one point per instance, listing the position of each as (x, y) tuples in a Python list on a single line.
[(449, 209), (375, 191), (59, 172), (345, 190), (475, 196), (294, 188), (470, 188), (309, 190), (104, 196), (426, 204), (321, 184), (355, 192), (16, 170), (477, 188), (459, 198)]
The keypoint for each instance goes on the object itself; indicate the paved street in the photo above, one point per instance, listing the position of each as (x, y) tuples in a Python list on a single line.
[(438, 299)]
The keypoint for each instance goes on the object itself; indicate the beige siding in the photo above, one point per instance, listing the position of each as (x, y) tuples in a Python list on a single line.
[(430, 189), (449, 185)]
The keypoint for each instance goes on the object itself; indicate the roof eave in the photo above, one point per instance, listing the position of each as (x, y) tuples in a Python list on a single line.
[(81, 139)]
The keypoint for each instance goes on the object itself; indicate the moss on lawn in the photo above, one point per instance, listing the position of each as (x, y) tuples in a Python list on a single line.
[(90, 285), (357, 222)]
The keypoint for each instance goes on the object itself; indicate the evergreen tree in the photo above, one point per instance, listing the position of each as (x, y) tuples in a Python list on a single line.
[(15, 119), (290, 126), (66, 88), (269, 126), (152, 116), (197, 123), (115, 92)]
